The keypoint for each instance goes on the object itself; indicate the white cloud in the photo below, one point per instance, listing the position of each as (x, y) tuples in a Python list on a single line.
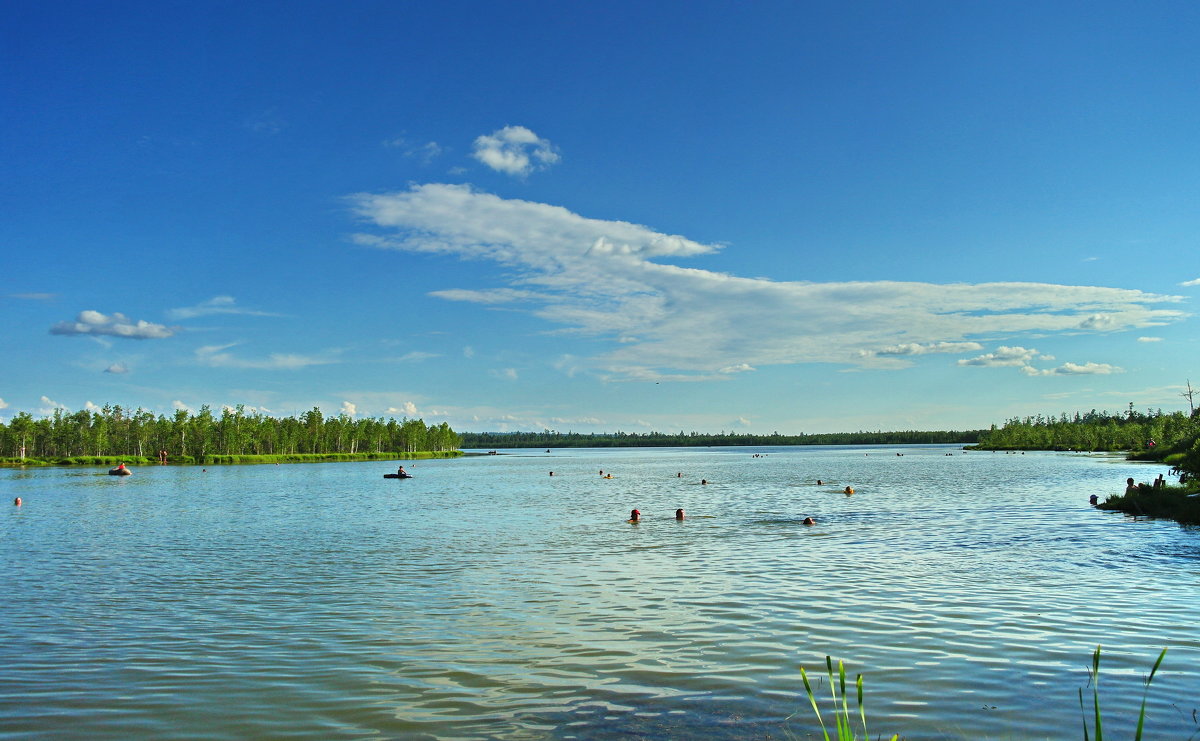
[(1190, 283), (215, 356), (468, 352), (1075, 369), (514, 150), (93, 408), (49, 405), (214, 305), (1149, 339), (117, 325), (739, 368), (1003, 357), (349, 408), (508, 374), (613, 281), (916, 348), (117, 368), (408, 409), (3, 404), (179, 406)]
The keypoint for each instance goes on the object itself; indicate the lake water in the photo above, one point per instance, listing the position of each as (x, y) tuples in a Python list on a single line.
[(486, 599)]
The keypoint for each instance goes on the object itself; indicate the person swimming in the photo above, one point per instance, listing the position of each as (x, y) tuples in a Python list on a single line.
[(809, 521), (17, 502), (848, 490), (635, 516), (704, 481), (678, 514)]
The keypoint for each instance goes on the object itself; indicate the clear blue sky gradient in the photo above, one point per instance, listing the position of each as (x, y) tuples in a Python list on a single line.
[(768, 216)]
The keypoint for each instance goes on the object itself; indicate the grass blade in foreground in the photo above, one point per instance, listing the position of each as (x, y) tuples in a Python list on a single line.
[(841, 707)]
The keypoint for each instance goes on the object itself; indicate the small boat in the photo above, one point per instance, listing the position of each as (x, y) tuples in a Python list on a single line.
[(397, 475), (119, 471)]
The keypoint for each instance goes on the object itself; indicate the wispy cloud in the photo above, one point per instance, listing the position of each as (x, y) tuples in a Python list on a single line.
[(612, 280), (514, 150), (423, 152), (117, 368), (115, 325), (215, 356), (1190, 283), (1149, 339), (215, 305), (1004, 357)]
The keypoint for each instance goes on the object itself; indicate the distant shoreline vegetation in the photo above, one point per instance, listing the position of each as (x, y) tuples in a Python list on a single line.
[(553, 439), (116, 435)]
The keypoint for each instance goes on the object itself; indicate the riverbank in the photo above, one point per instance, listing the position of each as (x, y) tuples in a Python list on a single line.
[(1179, 503), (218, 460)]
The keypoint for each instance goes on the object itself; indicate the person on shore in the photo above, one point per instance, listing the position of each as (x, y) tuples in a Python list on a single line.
[(678, 514), (1130, 487), (635, 516)]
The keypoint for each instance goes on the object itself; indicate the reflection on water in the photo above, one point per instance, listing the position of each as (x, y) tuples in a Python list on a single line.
[(486, 599)]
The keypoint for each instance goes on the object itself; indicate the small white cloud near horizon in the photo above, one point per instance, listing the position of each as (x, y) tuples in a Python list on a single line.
[(1149, 339), (179, 406), (117, 368), (514, 150), (50, 406), (1191, 283), (349, 408), (3, 404), (93, 323), (408, 409)]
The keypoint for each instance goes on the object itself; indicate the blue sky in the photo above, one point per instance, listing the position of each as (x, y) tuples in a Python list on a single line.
[(767, 216)]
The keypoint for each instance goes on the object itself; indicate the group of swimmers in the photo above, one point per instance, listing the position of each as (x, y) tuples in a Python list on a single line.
[(635, 516)]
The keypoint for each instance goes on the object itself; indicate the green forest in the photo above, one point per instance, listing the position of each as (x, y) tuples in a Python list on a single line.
[(200, 437), (553, 439)]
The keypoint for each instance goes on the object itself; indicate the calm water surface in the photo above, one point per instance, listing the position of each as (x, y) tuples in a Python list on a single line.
[(485, 598)]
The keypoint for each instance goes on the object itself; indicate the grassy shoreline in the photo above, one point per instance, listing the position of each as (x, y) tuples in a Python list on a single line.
[(218, 460), (1179, 503)]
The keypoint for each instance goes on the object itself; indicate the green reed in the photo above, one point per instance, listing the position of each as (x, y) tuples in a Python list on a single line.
[(843, 723), (1098, 720)]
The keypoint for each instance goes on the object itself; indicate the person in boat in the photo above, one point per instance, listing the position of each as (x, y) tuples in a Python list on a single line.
[(401, 472), (635, 516), (120, 466), (679, 514)]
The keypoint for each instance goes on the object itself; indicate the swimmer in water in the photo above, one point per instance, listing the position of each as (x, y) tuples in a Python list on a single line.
[(17, 502), (820, 482), (809, 521), (1093, 499), (635, 516), (678, 514), (704, 481), (848, 490)]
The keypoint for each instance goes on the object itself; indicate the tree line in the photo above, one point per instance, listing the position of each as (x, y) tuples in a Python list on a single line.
[(1094, 431), (116, 431), (555, 439)]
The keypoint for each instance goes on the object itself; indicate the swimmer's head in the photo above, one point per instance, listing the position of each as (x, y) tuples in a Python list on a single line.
[(809, 521), (635, 515), (17, 501), (678, 514)]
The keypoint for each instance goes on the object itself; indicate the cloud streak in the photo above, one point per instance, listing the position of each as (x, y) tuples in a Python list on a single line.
[(615, 281), (214, 305)]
